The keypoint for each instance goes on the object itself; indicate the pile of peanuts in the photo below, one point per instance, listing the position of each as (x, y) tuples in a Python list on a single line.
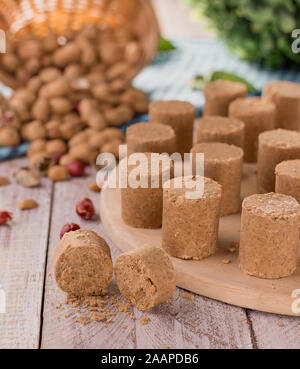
[(75, 93)]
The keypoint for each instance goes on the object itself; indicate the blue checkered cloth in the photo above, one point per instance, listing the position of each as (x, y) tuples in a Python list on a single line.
[(169, 76)]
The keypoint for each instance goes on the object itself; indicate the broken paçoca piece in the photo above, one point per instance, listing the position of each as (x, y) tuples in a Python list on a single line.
[(269, 235), (82, 263), (145, 277)]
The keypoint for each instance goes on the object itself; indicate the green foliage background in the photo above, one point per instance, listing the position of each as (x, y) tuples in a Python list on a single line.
[(256, 30)]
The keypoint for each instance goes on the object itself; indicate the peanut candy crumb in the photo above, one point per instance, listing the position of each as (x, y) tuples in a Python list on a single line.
[(84, 320), (144, 320), (187, 296), (67, 315), (233, 246), (226, 261), (94, 187)]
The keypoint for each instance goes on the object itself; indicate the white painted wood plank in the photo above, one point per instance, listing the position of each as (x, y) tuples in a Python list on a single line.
[(23, 247), (198, 323), (271, 335)]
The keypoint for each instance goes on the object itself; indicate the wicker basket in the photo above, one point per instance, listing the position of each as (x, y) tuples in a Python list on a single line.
[(18, 17)]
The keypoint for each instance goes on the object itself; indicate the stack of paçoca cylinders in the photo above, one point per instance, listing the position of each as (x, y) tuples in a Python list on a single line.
[(169, 131), (173, 200), (187, 207), (261, 131)]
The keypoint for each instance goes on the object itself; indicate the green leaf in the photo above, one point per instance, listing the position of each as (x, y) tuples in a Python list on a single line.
[(251, 28), (233, 78), (165, 45), (199, 82)]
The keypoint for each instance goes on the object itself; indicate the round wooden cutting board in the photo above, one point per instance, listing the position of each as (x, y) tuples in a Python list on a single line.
[(211, 277)]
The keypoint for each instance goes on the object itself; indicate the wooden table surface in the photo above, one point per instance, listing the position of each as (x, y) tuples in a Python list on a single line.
[(32, 319)]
